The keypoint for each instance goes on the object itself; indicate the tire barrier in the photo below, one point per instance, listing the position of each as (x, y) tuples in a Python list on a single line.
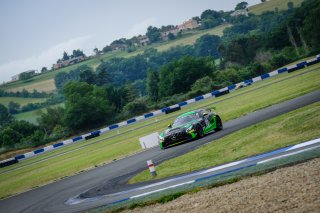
[(8, 162), (218, 94), (165, 110), (174, 109)]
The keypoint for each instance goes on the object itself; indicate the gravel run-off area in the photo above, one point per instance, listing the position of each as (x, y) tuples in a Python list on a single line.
[(290, 189)]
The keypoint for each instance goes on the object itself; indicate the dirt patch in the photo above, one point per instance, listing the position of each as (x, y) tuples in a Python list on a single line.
[(291, 189)]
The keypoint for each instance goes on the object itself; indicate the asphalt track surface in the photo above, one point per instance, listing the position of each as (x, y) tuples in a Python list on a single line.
[(112, 178)]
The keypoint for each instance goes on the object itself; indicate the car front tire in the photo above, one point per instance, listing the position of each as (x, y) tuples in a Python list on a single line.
[(219, 124)]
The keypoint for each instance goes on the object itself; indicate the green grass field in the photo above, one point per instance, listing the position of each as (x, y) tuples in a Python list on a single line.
[(288, 129), (270, 5), (191, 39), (22, 101), (45, 82), (98, 153), (32, 116)]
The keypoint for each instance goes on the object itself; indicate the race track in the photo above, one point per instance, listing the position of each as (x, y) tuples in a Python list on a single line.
[(112, 178)]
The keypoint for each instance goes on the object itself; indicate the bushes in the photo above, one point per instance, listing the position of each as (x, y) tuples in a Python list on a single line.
[(135, 108), (9, 137), (202, 85), (18, 133), (87, 106), (279, 61)]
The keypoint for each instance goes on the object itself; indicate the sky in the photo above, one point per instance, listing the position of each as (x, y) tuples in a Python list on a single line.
[(35, 33)]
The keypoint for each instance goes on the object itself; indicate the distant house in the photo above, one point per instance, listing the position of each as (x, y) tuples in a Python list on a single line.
[(174, 31), (188, 25), (17, 77), (243, 12), (64, 63), (143, 40), (116, 47)]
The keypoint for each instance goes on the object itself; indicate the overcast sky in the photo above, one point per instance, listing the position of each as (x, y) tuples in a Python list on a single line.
[(34, 33)]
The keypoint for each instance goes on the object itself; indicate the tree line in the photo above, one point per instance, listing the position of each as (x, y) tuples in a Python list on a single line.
[(25, 94)]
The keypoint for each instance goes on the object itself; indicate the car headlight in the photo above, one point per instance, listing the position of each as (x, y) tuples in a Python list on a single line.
[(161, 138)]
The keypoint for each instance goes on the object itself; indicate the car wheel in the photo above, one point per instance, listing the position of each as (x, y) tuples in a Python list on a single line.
[(199, 131), (219, 124), (164, 146)]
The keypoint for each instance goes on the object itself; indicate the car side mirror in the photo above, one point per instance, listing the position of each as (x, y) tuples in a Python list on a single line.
[(170, 126)]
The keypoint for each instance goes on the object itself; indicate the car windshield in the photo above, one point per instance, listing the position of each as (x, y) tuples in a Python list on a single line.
[(185, 119)]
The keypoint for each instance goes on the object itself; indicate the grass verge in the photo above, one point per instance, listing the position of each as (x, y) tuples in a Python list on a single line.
[(290, 128), (88, 154)]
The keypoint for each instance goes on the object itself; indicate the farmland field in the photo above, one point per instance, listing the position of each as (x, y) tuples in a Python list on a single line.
[(22, 101), (271, 5)]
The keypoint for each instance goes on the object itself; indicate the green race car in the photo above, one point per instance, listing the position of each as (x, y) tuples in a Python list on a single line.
[(190, 125)]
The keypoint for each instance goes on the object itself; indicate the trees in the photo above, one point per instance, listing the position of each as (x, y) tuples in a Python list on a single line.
[(60, 79), (152, 85), (171, 36), (5, 116), (103, 77), (63, 77), (9, 137), (24, 93), (25, 76), (65, 56), (77, 53), (51, 118), (204, 84), (86, 106), (15, 133), (153, 34), (13, 107), (241, 5), (178, 76), (87, 75), (125, 70), (308, 14), (44, 69), (207, 45), (107, 49), (210, 19), (134, 108), (290, 5), (242, 50)]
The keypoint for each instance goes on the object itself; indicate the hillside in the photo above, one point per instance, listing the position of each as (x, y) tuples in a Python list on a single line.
[(271, 5), (45, 82)]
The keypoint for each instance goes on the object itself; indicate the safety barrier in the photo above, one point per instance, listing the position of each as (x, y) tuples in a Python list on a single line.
[(213, 94)]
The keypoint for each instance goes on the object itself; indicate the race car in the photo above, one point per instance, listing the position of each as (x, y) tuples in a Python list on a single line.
[(190, 125)]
